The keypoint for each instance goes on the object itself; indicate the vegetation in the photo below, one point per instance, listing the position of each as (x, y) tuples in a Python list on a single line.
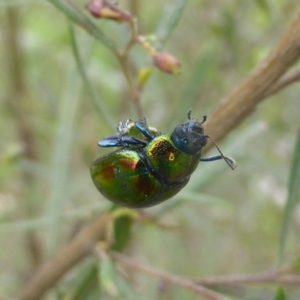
[(68, 79)]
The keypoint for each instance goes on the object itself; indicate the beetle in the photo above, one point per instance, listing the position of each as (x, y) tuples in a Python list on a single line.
[(149, 170)]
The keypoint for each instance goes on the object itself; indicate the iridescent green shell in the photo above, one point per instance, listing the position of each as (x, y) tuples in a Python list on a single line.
[(146, 176), (171, 163)]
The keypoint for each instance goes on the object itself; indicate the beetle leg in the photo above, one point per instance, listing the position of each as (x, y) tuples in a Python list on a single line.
[(211, 158), (230, 162), (123, 141), (124, 127), (148, 132)]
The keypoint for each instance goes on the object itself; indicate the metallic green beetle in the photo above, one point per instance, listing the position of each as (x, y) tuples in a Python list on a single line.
[(149, 170)]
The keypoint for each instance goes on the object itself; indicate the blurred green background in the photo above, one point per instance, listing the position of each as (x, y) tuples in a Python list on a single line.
[(222, 223)]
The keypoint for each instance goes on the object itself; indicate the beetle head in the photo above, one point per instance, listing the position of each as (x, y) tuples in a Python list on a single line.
[(189, 137)]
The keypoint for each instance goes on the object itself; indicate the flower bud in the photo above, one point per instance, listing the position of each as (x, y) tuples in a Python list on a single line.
[(99, 9), (94, 7), (167, 62)]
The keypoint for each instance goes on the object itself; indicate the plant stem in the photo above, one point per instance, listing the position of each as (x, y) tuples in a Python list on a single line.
[(242, 101), (171, 278)]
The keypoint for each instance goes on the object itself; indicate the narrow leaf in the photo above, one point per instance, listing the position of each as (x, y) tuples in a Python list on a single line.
[(292, 199), (122, 230), (280, 294), (81, 68), (106, 276), (296, 265), (87, 285), (169, 19), (78, 17), (265, 8)]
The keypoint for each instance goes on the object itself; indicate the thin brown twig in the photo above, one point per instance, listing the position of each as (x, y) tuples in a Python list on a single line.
[(134, 7), (272, 277), (284, 81), (68, 257), (244, 98), (7, 298), (169, 277), (123, 57)]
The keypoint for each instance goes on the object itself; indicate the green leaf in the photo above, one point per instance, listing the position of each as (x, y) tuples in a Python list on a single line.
[(143, 76), (292, 199), (265, 8), (203, 71), (169, 19), (122, 231), (296, 265), (81, 68), (61, 160), (106, 276), (123, 219), (114, 284), (280, 294), (88, 284)]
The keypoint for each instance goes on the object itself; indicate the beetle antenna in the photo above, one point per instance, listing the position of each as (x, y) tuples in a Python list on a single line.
[(189, 113), (204, 119), (230, 162), (189, 116)]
